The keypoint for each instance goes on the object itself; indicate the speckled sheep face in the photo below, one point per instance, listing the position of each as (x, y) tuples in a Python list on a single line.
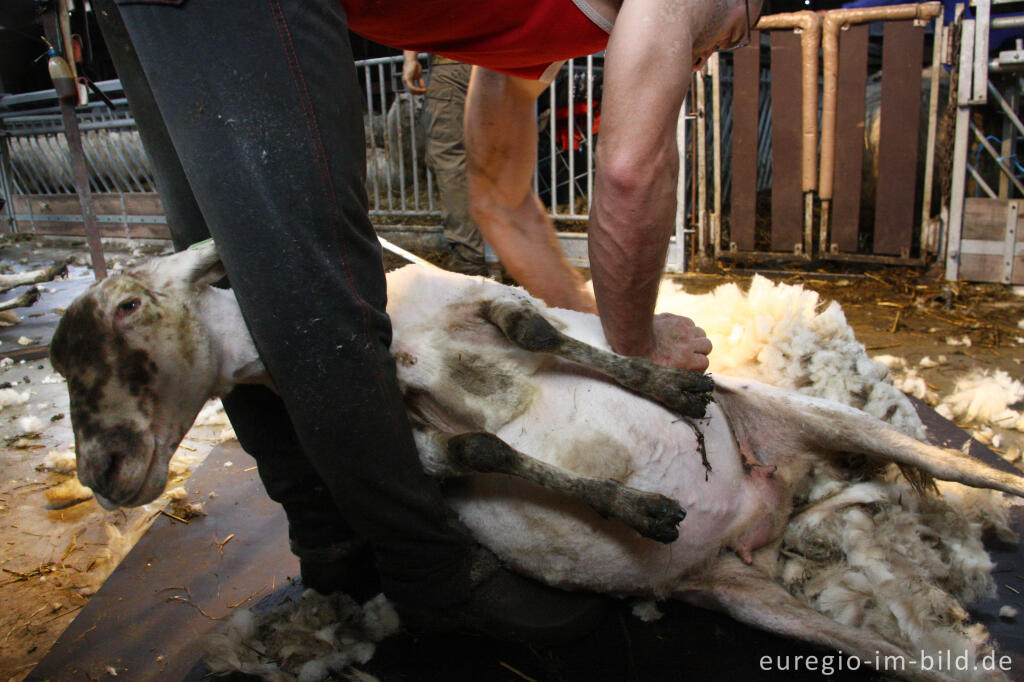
[(138, 370)]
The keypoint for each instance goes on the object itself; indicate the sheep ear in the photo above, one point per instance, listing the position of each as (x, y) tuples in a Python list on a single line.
[(205, 264)]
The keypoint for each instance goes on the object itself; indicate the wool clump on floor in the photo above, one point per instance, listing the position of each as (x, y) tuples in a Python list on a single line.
[(302, 640)]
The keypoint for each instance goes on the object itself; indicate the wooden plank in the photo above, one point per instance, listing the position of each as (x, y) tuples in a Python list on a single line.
[(851, 86), (985, 219), (787, 197), (182, 561), (743, 195), (988, 268), (902, 54)]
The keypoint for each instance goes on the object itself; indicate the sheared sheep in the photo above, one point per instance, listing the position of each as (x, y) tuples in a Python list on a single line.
[(791, 522)]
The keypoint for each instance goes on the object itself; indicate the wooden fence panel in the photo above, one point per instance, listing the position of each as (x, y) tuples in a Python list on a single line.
[(743, 195), (902, 54), (851, 84), (787, 194)]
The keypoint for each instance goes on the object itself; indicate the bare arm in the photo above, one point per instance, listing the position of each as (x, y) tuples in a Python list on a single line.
[(648, 66), (501, 147)]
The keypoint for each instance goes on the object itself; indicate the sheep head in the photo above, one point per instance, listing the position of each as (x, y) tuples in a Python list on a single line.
[(139, 367)]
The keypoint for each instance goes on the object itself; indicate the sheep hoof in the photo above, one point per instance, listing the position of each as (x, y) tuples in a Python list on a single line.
[(658, 517)]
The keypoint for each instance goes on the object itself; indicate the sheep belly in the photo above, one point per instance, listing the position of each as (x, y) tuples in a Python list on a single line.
[(593, 428)]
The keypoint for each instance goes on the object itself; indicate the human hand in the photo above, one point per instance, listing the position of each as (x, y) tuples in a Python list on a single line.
[(412, 74), (678, 342)]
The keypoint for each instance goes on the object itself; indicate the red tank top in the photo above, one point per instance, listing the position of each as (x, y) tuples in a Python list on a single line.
[(517, 37)]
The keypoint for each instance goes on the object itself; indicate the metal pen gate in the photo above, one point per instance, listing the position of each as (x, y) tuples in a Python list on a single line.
[(765, 125)]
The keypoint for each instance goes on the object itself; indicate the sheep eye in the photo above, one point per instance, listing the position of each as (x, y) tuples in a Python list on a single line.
[(127, 307)]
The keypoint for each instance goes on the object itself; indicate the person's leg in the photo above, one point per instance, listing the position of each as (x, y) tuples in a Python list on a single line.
[(262, 106), (446, 156), (320, 537)]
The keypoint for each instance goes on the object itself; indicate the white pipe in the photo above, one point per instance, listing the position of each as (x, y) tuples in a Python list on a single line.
[(398, 250)]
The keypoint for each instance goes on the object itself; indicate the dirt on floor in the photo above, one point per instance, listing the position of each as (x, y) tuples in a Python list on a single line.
[(57, 549)]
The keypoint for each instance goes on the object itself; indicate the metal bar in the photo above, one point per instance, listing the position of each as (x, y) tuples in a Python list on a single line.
[(1001, 163), (681, 203), (536, 166), (56, 126), (373, 137), (590, 130), (929, 153), (701, 143), (981, 29), (415, 156), (1007, 109), (10, 101), (570, 122), (987, 247), (1007, 22), (1010, 241), (1005, 150), (104, 218), (6, 178), (430, 191), (384, 113), (400, 134), (959, 180), (92, 233), (716, 152), (981, 182), (552, 124), (397, 250)]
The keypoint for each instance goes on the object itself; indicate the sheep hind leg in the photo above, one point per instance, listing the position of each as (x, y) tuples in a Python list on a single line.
[(683, 391), (779, 423), (747, 594), (650, 514)]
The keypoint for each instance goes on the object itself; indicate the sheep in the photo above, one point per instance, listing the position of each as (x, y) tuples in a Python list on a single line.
[(618, 451)]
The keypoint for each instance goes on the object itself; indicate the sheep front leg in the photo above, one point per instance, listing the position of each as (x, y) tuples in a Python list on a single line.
[(650, 514), (684, 391)]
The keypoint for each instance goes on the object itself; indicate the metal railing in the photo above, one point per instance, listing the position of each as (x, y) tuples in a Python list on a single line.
[(35, 168)]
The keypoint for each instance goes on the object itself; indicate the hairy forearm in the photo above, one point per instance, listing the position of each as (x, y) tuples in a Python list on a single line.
[(631, 221)]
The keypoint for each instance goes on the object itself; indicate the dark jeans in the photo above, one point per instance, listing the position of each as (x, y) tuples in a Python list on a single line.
[(252, 116)]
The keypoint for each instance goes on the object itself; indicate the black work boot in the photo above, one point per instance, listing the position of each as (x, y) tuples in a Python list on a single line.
[(346, 566), (507, 606)]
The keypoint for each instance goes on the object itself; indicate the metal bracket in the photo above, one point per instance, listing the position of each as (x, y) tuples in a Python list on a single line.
[(1010, 241)]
